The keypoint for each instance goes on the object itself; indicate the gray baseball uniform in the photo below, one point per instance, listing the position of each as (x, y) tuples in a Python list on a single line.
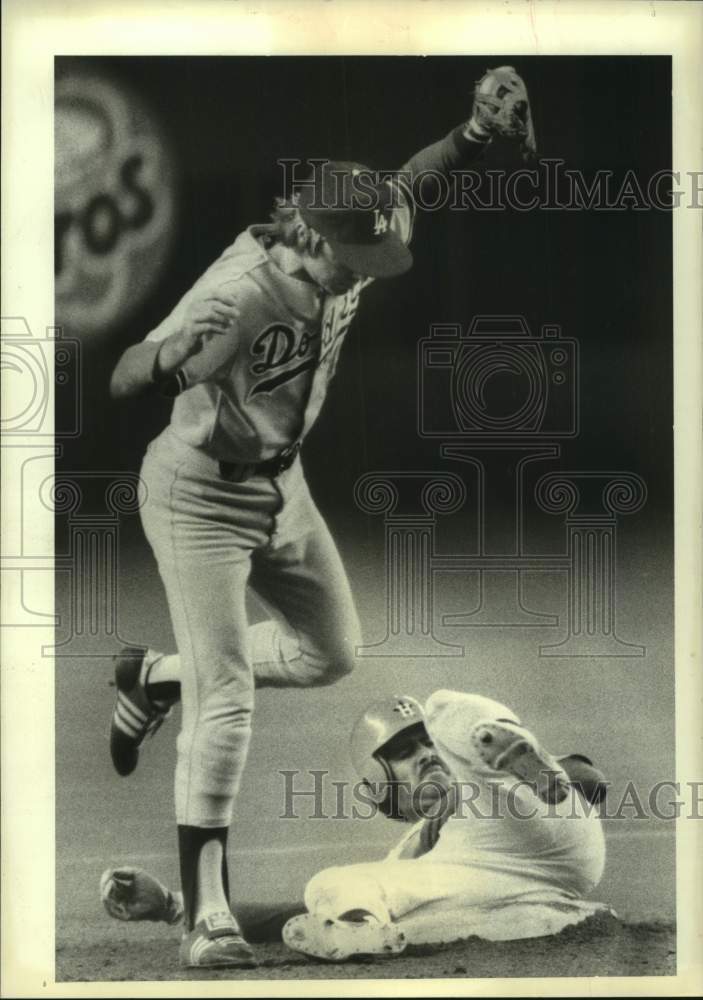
[(250, 394)]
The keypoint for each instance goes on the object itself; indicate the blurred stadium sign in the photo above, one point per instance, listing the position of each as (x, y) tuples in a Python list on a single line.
[(114, 202)]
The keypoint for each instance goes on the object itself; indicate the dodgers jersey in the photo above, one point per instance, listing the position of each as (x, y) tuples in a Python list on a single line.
[(257, 389)]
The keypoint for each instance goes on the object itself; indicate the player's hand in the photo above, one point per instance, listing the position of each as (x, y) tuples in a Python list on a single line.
[(204, 318)]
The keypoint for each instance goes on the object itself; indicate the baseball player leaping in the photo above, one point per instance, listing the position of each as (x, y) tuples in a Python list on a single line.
[(248, 353), (504, 841)]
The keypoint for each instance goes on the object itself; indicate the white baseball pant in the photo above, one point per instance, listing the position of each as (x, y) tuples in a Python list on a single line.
[(497, 878)]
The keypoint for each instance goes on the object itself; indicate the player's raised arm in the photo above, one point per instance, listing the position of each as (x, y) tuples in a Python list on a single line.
[(200, 325), (501, 106)]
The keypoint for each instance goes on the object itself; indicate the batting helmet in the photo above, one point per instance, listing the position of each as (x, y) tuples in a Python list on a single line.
[(380, 723)]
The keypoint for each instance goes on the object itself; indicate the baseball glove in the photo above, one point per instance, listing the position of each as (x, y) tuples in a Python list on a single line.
[(502, 107), (133, 894)]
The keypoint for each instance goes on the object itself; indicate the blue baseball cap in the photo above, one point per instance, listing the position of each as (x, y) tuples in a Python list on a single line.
[(347, 205)]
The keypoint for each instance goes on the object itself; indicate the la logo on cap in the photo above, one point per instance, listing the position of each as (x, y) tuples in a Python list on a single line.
[(380, 222)]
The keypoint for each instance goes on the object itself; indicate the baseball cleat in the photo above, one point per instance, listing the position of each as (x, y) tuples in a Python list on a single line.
[(133, 894), (509, 748), (134, 716), (337, 940), (214, 943)]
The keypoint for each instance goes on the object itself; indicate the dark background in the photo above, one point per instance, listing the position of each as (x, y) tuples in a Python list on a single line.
[(604, 276)]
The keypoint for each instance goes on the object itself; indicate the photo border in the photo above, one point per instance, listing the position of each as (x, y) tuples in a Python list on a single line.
[(37, 30)]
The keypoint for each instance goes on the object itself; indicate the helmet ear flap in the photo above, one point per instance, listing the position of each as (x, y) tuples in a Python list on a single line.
[(378, 774)]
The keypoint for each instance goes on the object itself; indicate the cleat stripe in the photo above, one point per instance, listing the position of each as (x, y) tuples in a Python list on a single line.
[(131, 707), (204, 944), (126, 725), (197, 949), (129, 720), (128, 717)]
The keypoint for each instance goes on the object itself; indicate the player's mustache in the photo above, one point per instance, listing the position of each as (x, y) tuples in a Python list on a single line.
[(432, 764)]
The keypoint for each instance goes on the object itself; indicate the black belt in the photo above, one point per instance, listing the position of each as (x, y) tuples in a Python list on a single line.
[(238, 472)]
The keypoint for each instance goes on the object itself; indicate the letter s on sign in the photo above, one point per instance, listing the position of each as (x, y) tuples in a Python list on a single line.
[(115, 201)]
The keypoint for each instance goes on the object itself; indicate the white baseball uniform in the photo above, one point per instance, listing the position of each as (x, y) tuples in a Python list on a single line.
[(505, 865)]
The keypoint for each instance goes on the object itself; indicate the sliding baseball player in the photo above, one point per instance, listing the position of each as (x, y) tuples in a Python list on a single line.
[(503, 839)]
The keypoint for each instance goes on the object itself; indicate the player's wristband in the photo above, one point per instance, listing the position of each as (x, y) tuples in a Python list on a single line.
[(469, 135), (170, 385), (174, 385)]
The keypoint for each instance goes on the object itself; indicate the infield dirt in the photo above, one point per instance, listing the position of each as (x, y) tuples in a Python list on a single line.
[(604, 946)]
